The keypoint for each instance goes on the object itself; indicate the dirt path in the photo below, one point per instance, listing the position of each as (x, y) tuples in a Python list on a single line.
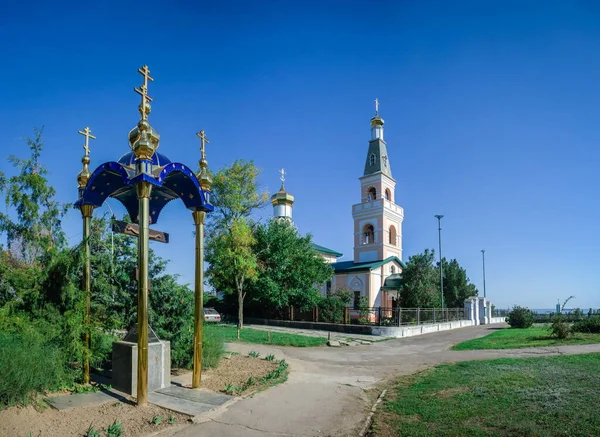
[(325, 396)]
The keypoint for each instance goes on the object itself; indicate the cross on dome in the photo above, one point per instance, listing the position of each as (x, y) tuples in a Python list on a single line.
[(143, 91), (283, 173)]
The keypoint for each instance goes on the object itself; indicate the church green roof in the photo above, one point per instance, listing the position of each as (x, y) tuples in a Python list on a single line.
[(377, 159), (351, 266), (326, 251)]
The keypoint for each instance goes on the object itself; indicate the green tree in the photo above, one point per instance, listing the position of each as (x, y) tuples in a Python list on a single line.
[(289, 270), (457, 286), (420, 282), (229, 247), (232, 261)]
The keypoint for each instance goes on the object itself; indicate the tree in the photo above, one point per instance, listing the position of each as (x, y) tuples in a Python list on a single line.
[(36, 227), (230, 241), (457, 286), (235, 194), (289, 269), (232, 261), (420, 282)]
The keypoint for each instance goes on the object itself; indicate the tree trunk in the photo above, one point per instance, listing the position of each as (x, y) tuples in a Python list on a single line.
[(240, 309)]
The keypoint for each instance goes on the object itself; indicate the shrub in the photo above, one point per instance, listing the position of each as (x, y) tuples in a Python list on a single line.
[(520, 317), (182, 347), (30, 365), (587, 326), (560, 328)]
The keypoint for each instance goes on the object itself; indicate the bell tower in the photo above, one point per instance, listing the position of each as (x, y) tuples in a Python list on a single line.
[(377, 218), (282, 202)]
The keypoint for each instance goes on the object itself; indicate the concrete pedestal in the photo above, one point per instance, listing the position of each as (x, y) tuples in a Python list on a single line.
[(124, 363)]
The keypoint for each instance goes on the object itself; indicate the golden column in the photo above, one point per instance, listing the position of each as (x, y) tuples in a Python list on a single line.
[(205, 181), (143, 192), (86, 215), (143, 140)]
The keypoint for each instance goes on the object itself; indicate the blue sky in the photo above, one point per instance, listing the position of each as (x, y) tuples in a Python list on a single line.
[(491, 113)]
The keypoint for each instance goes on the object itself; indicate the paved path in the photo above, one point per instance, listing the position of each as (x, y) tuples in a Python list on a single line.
[(317, 333), (325, 396)]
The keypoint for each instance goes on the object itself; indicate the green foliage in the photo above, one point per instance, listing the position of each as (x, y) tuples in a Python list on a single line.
[(182, 354), (288, 267), (560, 328), (171, 419), (420, 282), (92, 432), (270, 357), (457, 286), (157, 420), (115, 429), (254, 354), (233, 263), (589, 326), (331, 307), (520, 317)]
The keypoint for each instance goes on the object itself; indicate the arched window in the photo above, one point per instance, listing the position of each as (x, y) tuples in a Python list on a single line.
[(372, 194), (388, 194), (392, 235), (368, 234), (372, 159)]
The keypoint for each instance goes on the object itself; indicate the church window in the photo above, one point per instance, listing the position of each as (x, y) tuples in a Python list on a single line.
[(392, 235), (388, 194), (372, 194), (372, 159), (356, 303), (369, 235)]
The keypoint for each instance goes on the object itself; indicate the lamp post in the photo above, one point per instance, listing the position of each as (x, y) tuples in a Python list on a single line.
[(439, 217), (483, 259)]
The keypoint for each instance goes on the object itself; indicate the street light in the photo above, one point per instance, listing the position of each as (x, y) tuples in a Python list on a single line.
[(483, 257), (439, 217)]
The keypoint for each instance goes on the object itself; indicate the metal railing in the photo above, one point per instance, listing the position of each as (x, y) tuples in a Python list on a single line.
[(376, 316)]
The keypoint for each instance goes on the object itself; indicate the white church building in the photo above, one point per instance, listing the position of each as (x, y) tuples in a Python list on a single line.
[(376, 269)]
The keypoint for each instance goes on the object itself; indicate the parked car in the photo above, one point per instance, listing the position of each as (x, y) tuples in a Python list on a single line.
[(211, 315)]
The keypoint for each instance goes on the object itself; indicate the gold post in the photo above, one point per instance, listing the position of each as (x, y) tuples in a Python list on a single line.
[(143, 192), (86, 214), (199, 217)]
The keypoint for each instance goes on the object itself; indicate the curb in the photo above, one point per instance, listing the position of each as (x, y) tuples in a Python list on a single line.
[(369, 420)]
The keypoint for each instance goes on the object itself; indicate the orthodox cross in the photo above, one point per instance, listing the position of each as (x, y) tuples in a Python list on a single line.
[(87, 133), (203, 141), (283, 173), (143, 90), (376, 106)]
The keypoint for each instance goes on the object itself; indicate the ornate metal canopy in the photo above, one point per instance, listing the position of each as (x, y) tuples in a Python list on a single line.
[(170, 180)]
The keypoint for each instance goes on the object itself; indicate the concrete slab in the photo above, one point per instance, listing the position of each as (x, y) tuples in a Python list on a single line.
[(66, 402), (179, 405), (200, 396)]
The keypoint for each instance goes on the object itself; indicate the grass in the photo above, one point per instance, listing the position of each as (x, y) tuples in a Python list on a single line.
[(257, 336), (536, 336), (546, 396)]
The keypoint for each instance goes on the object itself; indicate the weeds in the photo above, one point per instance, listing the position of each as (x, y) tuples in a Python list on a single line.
[(270, 357), (92, 432), (254, 354), (115, 429), (171, 419), (157, 420)]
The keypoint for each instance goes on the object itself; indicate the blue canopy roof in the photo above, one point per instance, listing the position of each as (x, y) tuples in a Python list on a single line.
[(170, 180)]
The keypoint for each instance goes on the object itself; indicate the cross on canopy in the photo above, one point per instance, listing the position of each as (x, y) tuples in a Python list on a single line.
[(87, 133), (203, 140), (143, 90)]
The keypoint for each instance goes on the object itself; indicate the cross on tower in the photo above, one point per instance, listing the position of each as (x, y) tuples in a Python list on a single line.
[(203, 140), (87, 133), (376, 106), (143, 90), (283, 173)]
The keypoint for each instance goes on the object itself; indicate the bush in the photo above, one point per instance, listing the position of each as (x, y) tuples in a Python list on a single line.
[(30, 365), (520, 317), (182, 347), (587, 326), (560, 328)]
